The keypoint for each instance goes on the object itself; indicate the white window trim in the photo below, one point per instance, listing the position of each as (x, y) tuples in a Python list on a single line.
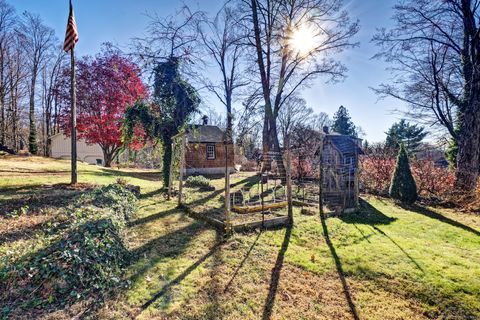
[(211, 154)]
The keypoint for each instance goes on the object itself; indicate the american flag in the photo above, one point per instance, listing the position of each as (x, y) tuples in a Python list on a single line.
[(71, 36)]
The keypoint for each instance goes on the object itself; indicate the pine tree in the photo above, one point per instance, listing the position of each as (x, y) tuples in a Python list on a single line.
[(342, 123), (403, 187), (403, 132)]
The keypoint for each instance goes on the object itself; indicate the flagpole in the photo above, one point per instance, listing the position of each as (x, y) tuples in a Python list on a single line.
[(73, 116)]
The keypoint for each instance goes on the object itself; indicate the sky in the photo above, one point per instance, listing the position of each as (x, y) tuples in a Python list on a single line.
[(118, 21)]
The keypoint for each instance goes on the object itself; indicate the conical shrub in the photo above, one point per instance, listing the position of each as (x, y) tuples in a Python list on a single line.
[(402, 186)]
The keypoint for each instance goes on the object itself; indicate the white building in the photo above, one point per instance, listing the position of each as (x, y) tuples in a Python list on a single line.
[(90, 153)]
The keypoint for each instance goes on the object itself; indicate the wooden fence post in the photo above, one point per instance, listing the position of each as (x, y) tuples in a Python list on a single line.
[(227, 192), (182, 167), (289, 183), (320, 178)]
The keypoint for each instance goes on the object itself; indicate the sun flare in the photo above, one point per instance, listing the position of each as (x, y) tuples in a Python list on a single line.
[(303, 40)]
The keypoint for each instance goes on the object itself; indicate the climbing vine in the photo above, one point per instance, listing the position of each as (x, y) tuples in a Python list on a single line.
[(174, 102)]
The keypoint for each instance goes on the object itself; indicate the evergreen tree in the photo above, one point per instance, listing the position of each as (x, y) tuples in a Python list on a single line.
[(403, 187), (342, 123), (411, 135)]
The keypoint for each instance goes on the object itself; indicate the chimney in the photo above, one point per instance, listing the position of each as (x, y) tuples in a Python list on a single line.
[(205, 120), (325, 129)]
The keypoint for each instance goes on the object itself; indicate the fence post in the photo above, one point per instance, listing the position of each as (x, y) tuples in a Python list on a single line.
[(227, 192), (182, 166), (320, 179), (289, 183), (170, 176)]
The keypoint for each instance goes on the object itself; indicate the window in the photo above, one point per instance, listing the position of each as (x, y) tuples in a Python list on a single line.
[(349, 160), (210, 151), (99, 161)]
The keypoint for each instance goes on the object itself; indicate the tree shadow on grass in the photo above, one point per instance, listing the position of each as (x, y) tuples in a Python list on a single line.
[(399, 247), (371, 216), (435, 215), (341, 273), (145, 175), (153, 217), (39, 198), (367, 214), (275, 277), (240, 266), (164, 291)]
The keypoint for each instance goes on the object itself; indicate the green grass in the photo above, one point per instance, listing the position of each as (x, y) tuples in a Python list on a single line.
[(384, 262)]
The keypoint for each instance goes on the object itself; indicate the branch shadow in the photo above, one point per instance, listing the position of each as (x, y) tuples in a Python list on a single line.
[(166, 288), (435, 215), (275, 277), (38, 198), (240, 266), (341, 273), (399, 247), (145, 175), (152, 217)]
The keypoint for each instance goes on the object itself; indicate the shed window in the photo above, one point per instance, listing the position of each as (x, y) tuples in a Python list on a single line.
[(349, 160), (210, 151)]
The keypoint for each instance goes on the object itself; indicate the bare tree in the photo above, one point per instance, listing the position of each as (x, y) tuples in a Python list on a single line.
[(7, 22), (51, 74), (222, 38), (171, 37), (293, 43), (434, 49), (294, 112), (37, 40)]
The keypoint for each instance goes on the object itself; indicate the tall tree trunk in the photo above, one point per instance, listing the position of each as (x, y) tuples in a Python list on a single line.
[(468, 158), (167, 160), (32, 137)]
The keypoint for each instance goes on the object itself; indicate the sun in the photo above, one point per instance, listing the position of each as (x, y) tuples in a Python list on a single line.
[(303, 40)]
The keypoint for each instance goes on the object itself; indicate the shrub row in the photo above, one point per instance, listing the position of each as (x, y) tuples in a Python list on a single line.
[(432, 181)]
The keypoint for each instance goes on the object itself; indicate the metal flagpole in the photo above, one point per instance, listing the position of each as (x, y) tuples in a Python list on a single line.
[(73, 116)]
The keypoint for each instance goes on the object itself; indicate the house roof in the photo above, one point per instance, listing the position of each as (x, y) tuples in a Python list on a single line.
[(344, 144), (205, 133)]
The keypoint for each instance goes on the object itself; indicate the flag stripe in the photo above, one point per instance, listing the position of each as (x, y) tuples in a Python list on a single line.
[(71, 35)]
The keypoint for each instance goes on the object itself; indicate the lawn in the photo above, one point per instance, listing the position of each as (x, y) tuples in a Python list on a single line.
[(383, 262)]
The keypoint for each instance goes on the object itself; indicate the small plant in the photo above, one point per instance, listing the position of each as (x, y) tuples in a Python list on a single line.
[(403, 187), (199, 182)]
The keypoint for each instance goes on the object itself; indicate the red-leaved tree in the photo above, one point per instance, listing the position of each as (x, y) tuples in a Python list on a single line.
[(106, 85)]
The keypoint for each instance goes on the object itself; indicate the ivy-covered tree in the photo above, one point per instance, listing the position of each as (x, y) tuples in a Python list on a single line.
[(403, 187), (342, 123), (402, 132), (175, 101)]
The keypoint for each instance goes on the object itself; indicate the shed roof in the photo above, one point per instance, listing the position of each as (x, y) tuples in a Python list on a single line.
[(205, 134), (344, 144)]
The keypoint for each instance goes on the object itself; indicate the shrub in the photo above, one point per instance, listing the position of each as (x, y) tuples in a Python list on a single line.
[(403, 187), (376, 174), (82, 260), (199, 182), (433, 181), (302, 168), (117, 197)]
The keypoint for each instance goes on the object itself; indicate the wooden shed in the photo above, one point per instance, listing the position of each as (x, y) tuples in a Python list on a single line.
[(206, 152)]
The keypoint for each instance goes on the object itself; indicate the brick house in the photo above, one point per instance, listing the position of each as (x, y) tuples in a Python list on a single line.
[(206, 152)]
